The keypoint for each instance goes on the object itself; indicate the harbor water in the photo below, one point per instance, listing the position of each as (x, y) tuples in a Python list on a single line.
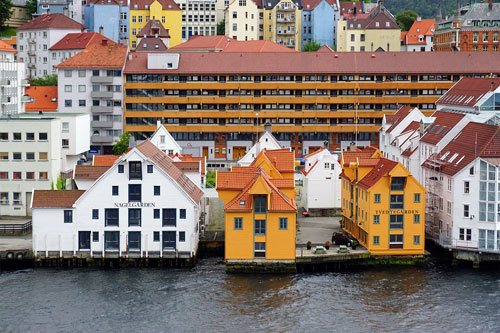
[(436, 298)]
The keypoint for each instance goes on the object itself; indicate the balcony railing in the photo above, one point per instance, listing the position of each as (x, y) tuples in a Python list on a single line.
[(101, 79), (101, 124), (101, 109), (101, 94), (101, 139)]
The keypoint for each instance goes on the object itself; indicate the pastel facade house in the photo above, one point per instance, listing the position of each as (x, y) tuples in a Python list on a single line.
[(319, 21), (282, 22), (36, 37), (420, 37), (260, 212), (109, 18), (383, 205), (321, 181), (243, 20), (199, 18), (141, 207), (267, 141)]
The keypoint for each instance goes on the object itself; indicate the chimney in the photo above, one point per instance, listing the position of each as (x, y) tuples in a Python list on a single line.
[(352, 146), (158, 123), (354, 11), (131, 142), (490, 5), (492, 87), (419, 19), (104, 42), (101, 30), (268, 127)]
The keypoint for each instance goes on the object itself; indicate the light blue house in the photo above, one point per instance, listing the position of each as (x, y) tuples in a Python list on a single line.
[(108, 17), (52, 7), (319, 21)]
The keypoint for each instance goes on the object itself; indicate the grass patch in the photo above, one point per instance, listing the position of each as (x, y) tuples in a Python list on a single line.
[(9, 32), (211, 178)]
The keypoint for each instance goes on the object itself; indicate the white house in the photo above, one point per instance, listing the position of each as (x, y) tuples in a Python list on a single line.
[(420, 37), (12, 86), (142, 206), (266, 141), (321, 180), (162, 139), (92, 82), (36, 37), (34, 150), (198, 18)]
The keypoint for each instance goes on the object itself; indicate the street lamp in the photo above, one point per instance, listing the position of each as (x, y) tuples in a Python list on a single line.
[(257, 129)]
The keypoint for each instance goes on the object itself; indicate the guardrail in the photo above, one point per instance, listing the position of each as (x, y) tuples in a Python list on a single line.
[(15, 229)]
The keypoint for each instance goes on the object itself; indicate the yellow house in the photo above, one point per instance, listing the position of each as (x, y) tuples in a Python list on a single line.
[(282, 23), (260, 213), (166, 11), (374, 31), (383, 205)]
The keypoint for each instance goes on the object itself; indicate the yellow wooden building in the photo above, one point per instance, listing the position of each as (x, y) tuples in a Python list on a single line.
[(259, 207), (166, 11), (383, 205)]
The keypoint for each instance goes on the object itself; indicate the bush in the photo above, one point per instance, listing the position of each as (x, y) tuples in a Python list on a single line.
[(327, 245), (211, 178), (309, 245)]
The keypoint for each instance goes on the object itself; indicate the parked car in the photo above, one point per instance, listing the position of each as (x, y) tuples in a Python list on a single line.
[(340, 238)]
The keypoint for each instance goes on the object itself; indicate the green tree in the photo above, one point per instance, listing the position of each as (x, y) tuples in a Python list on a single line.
[(311, 46), (405, 20), (61, 183), (221, 28), (121, 145), (5, 12), (48, 80), (31, 7)]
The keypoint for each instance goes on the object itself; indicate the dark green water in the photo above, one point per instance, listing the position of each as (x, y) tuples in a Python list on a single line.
[(205, 299)]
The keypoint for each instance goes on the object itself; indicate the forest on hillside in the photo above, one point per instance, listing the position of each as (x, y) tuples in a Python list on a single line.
[(425, 8)]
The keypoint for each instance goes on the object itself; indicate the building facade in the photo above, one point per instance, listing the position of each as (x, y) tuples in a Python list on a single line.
[(319, 22), (282, 22), (35, 38), (109, 18), (167, 11), (19, 14), (420, 37), (199, 17), (12, 82), (243, 20), (72, 9), (383, 205), (141, 207), (92, 82), (374, 31)]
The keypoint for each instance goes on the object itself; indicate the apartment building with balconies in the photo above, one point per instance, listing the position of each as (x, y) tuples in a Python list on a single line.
[(92, 82), (12, 82), (282, 22), (35, 38)]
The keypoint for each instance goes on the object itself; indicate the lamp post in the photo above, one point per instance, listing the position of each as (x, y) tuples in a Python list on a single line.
[(257, 129)]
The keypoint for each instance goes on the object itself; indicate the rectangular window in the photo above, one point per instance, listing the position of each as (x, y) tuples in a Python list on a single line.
[(111, 217), (396, 201), (42, 136), (67, 88), (376, 198), (114, 190), (398, 184), (134, 240), (30, 136), (260, 227), (395, 241), (466, 210), (416, 240), (260, 204), (95, 214), (4, 198), (416, 197), (260, 250), (134, 217), (156, 236), (68, 216), (150, 168), (283, 223), (416, 218), (30, 156), (396, 221), (376, 219), (111, 240), (134, 192), (120, 168), (376, 240), (84, 240), (135, 170), (156, 190), (43, 156), (182, 236), (238, 223), (169, 217), (448, 207), (182, 214), (95, 236), (156, 213), (466, 187)]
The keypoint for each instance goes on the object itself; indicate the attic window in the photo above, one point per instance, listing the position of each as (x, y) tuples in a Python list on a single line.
[(53, 99), (146, 6), (135, 6), (156, 46), (144, 45), (387, 24), (453, 157), (377, 24), (169, 65), (460, 160), (242, 203)]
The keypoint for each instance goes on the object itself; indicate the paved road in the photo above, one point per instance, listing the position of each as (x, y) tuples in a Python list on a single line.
[(15, 242), (316, 229)]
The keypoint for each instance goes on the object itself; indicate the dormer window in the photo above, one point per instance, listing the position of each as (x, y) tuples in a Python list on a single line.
[(242, 203), (260, 204), (135, 170)]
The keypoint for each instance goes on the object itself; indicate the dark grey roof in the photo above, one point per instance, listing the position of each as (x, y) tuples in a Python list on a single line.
[(482, 11), (19, 3), (270, 4), (53, 2)]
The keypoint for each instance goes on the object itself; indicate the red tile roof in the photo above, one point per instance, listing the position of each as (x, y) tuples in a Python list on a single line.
[(325, 49), (229, 45), (326, 63), (382, 168), (234, 180), (51, 21), (104, 160), (413, 126), (190, 158), (314, 153), (89, 171), (419, 28), (97, 56), (4, 47), (282, 159), (443, 123), (468, 91), (44, 98), (151, 45), (399, 116), (153, 28), (353, 156), (166, 164), (79, 41), (165, 4), (58, 198), (348, 6), (475, 140)]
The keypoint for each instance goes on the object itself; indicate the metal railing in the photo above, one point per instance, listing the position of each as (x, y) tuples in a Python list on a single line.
[(15, 229)]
